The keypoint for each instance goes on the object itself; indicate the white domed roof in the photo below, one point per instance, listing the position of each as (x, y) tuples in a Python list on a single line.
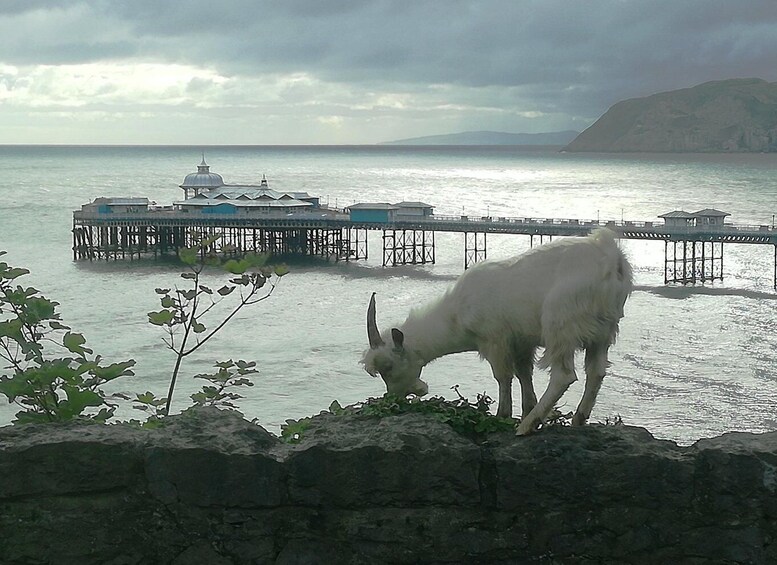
[(203, 178)]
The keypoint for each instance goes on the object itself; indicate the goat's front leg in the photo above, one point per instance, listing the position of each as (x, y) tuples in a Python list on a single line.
[(561, 376), (595, 368), (504, 377), (524, 370)]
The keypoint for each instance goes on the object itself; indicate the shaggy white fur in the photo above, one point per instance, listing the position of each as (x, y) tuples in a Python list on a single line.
[(563, 296)]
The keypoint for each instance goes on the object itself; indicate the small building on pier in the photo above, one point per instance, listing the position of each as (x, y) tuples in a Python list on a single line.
[(414, 210), (202, 181), (678, 218), (384, 212), (703, 218), (205, 192), (381, 212), (111, 205), (710, 217)]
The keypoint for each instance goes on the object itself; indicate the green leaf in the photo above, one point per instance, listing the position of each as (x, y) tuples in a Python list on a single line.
[(13, 273), (197, 327), (241, 382), (188, 255), (226, 290), (12, 329), (39, 309), (153, 423), (205, 289), (293, 430), (189, 294), (167, 302), (242, 281), (31, 350), (74, 343), (150, 399), (236, 267), (222, 376), (78, 400), (281, 270), (161, 318), (50, 372), (190, 276), (199, 398), (115, 370), (104, 414), (15, 387), (258, 281), (32, 418), (162, 290)]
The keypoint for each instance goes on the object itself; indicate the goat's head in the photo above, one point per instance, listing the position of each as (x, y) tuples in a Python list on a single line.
[(399, 368)]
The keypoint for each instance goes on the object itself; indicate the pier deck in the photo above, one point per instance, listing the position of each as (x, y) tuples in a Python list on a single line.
[(692, 253)]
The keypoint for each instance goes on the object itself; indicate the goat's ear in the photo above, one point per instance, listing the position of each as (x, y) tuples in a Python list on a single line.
[(398, 337)]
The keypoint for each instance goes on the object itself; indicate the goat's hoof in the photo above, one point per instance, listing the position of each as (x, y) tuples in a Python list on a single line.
[(524, 429)]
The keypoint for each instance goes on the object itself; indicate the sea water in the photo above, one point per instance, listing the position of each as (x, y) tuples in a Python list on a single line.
[(690, 362)]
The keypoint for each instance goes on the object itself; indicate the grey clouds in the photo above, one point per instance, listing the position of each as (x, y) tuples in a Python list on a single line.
[(347, 71)]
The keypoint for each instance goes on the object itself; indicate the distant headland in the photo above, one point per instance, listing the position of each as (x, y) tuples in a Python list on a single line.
[(726, 116), (556, 138), (738, 115)]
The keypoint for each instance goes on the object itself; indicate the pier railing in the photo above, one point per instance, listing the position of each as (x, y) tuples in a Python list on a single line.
[(691, 253), (623, 224), (629, 229)]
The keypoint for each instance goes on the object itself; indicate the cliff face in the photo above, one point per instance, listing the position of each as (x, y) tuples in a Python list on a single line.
[(213, 488), (723, 116)]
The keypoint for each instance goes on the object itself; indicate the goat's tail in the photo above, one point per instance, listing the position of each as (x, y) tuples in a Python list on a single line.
[(617, 266)]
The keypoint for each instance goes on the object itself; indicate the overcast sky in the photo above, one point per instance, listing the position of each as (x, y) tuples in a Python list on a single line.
[(354, 71)]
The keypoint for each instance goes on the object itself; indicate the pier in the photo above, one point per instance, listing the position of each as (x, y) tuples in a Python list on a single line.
[(691, 253), (247, 218)]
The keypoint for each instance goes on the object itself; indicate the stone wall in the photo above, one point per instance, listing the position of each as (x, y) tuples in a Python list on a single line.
[(212, 488)]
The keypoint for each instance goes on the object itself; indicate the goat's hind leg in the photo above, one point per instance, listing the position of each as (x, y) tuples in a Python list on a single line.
[(595, 368), (562, 374)]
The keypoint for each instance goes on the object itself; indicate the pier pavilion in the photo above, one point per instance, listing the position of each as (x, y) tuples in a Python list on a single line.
[(257, 218)]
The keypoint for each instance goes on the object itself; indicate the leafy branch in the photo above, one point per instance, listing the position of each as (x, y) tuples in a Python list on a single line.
[(184, 309), (230, 375), (47, 388)]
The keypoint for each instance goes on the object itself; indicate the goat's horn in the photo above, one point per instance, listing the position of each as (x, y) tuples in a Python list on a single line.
[(372, 326)]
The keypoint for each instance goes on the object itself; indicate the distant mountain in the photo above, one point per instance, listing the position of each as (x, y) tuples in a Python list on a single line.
[(490, 138), (738, 115)]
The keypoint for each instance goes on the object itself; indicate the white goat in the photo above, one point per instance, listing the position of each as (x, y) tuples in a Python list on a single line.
[(563, 296)]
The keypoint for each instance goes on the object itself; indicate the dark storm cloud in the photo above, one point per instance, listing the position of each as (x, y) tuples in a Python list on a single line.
[(578, 57)]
